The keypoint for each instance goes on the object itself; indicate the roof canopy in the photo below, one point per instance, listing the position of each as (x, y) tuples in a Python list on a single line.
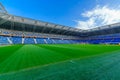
[(12, 22)]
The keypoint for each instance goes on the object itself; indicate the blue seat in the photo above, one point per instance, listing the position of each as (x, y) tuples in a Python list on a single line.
[(3, 40), (29, 41), (16, 40), (40, 41)]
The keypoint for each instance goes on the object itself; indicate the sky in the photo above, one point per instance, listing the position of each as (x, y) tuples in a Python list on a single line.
[(82, 14)]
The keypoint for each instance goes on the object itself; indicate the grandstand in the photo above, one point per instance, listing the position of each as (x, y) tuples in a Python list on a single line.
[(20, 30)]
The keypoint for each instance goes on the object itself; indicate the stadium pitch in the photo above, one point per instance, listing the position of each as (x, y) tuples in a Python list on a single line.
[(60, 62)]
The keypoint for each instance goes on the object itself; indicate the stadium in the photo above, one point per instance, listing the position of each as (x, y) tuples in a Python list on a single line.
[(37, 50)]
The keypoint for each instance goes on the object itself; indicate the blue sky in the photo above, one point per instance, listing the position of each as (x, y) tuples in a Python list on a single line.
[(74, 13)]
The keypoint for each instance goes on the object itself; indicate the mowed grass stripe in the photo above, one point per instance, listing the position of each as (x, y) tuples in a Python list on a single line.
[(10, 63), (7, 51), (88, 47), (47, 55), (80, 50), (72, 53)]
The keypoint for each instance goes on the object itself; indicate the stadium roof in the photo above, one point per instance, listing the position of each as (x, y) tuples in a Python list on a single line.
[(13, 22), (108, 29)]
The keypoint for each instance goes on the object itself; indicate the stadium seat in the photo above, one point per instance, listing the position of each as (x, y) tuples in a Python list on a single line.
[(29, 41)]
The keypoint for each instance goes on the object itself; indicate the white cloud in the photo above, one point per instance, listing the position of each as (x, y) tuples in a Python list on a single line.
[(99, 16)]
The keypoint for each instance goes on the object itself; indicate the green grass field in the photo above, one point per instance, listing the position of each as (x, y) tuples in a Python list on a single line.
[(60, 62)]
